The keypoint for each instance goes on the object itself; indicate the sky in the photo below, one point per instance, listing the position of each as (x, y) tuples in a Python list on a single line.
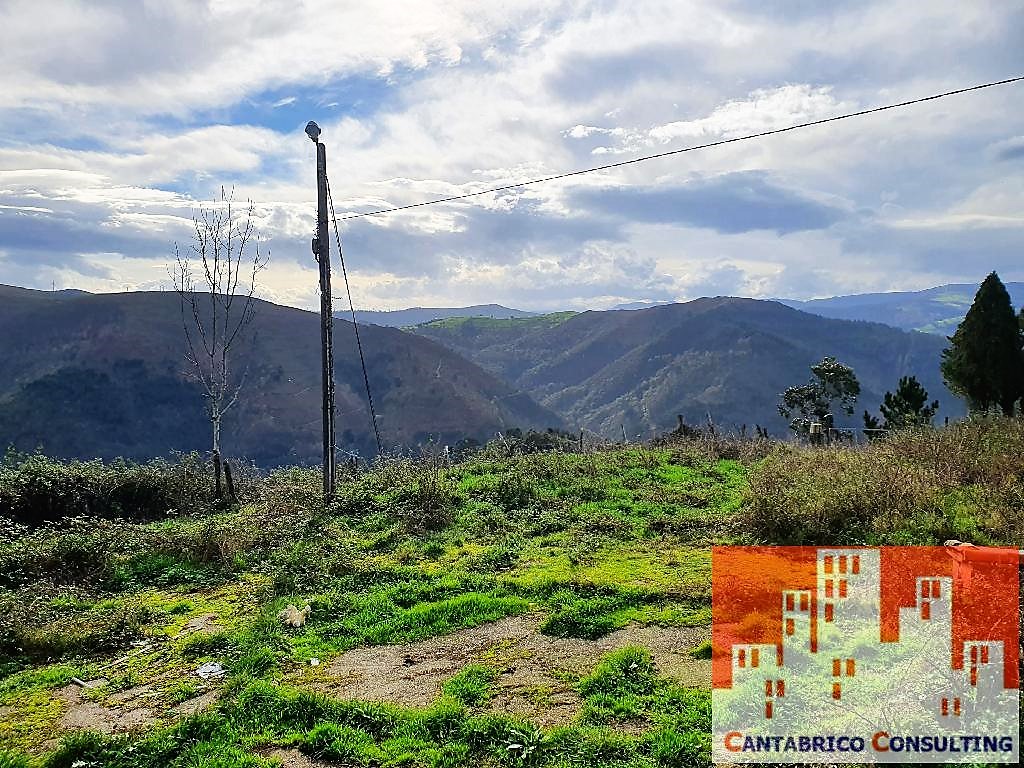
[(119, 121)]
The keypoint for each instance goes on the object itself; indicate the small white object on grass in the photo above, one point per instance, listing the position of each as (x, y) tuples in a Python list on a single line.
[(210, 670)]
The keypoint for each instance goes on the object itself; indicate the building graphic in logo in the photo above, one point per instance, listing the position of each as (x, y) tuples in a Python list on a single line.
[(896, 654)]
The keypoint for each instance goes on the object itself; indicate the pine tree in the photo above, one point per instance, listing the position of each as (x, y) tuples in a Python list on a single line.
[(871, 422), (984, 362), (1020, 323), (906, 407)]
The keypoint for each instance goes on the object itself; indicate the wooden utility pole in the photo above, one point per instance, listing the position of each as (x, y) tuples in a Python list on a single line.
[(322, 251)]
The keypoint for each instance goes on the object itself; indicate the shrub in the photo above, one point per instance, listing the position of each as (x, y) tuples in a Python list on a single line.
[(428, 503), (912, 487), (36, 632), (35, 489), (514, 489)]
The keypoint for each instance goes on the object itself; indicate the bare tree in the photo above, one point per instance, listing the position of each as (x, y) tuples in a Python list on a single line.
[(218, 307)]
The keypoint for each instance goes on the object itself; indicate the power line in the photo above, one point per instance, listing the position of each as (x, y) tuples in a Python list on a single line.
[(355, 325), (708, 145)]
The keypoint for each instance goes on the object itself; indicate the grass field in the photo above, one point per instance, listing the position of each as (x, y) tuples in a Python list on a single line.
[(535, 322), (546, 609)]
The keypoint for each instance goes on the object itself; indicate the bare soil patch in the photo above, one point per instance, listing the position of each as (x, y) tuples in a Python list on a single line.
[(207, 623), (537, 672), (292, 758), (124, 711), (90, 715)]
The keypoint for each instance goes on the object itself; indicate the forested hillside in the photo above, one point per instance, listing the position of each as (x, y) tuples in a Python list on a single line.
[(101, 375), (726, 357)]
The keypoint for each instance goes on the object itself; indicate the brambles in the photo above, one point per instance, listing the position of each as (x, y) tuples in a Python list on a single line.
[(35, 489)]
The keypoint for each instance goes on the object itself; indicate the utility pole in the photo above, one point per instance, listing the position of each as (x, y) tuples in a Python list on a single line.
[(322, 251)]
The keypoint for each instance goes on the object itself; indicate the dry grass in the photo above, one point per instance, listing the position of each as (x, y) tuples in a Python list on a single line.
[(913, 487)]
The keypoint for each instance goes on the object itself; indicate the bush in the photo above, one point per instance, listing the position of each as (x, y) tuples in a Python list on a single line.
[(12, 760), (427, 503), (912, 487), (35, 489), (37, 632)]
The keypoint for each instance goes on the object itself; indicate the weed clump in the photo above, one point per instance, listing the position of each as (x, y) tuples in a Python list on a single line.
[(577, 614), (702, 650), (471, 686)]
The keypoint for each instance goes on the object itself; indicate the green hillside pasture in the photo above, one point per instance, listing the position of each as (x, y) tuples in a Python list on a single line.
[(569, 547)]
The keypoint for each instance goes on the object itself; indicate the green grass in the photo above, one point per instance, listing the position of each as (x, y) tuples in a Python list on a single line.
[(702, 651), (414, 550), (535, 322), (445, 733), (472, 686), (400, 613), (30, 706)]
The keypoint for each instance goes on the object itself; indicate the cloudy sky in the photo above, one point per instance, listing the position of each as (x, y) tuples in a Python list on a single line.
[(118, 119)]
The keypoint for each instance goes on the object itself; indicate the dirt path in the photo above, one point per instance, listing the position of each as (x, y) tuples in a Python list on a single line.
[(536, 678), (292, 758), (128, 710), (536, 670)]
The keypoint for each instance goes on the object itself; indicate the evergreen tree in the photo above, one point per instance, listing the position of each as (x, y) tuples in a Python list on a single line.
[(871, 422), (907, 407), (984, 362), (1020, 323), (831, 381)]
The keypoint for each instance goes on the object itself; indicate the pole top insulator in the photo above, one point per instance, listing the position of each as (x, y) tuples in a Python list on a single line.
[(313, 131)]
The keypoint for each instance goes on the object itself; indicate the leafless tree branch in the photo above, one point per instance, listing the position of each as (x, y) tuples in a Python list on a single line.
[(213, 325)]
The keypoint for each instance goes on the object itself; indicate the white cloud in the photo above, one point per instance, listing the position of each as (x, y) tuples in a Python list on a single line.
[(763, 110), (122, 117), (155, 58)]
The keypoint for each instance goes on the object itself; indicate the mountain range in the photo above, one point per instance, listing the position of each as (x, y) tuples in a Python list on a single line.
[(636, 370), (101, 375), (936, 310), (402, 318)]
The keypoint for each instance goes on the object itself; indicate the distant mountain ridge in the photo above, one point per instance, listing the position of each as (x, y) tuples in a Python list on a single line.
[(100, 375), (86, 375), (937, 310), (634, 370), (641, 304), (403, 318)]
